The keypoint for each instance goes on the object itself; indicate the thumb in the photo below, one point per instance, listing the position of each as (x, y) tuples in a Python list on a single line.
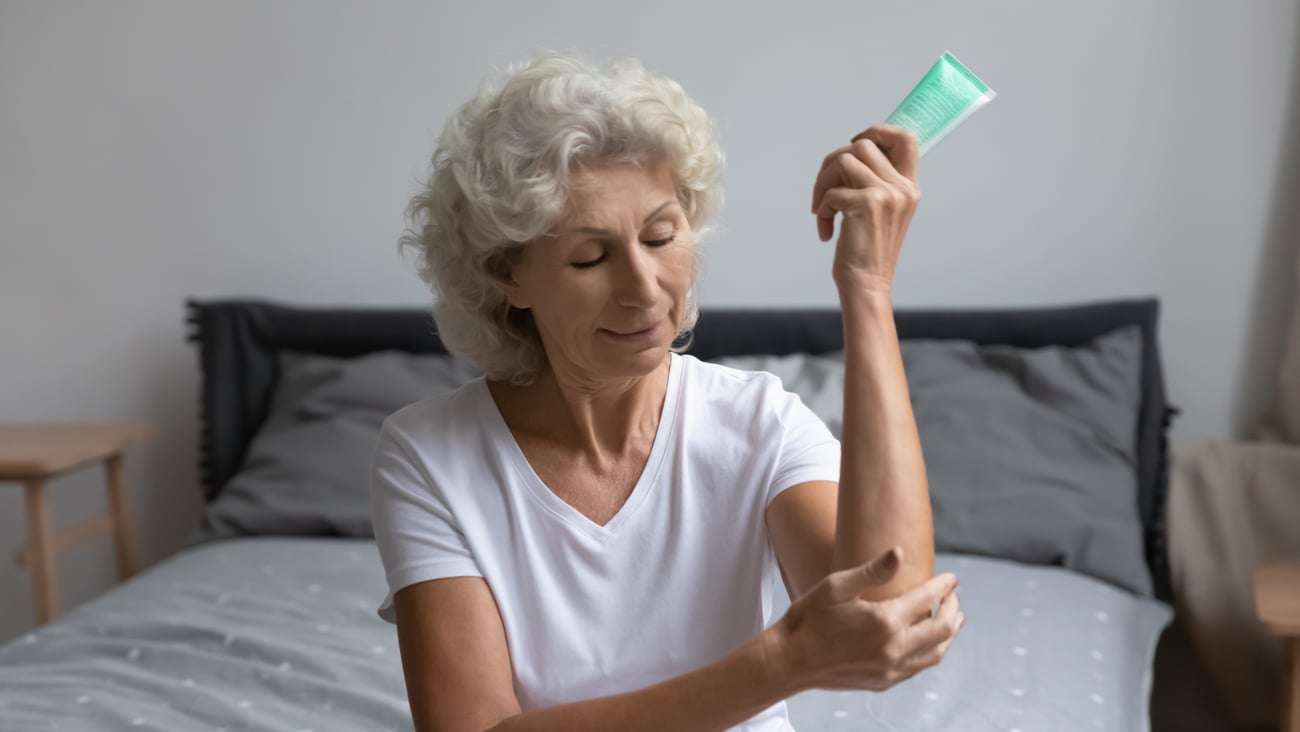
[(850, 583)]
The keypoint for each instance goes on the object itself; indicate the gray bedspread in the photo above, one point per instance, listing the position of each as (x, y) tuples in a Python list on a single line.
[(281, 634)]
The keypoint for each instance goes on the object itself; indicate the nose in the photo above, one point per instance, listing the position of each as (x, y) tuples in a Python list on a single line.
[(637, 280)]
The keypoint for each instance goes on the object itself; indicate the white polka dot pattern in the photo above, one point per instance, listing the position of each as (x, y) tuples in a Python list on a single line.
[(1045, 649), (255, 635), (282, 634)]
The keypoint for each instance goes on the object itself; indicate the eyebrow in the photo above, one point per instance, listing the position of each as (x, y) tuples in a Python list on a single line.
[(603, 232)]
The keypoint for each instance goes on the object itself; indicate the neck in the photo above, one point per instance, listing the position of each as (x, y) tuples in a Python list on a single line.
[(601, 417)]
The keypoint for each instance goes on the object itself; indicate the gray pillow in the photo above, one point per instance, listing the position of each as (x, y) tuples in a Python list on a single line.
[(306, 470), (1030, 454)]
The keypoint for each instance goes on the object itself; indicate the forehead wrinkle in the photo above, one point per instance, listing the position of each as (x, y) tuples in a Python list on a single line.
[(603, 232)]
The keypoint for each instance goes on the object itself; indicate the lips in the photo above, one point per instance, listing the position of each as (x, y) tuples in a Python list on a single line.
[(634, 331), (637, 331)]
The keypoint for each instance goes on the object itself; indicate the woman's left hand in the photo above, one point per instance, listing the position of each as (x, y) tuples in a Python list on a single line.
[(872, 181)]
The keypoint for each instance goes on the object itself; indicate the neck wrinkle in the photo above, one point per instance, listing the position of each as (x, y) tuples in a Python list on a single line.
[(604, 420)]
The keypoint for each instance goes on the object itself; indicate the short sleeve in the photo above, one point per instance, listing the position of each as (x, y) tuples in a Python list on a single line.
[(416, 532), (808, 449)]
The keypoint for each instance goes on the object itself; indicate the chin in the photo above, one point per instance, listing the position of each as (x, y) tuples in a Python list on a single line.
[(632, 358), (640, 363)]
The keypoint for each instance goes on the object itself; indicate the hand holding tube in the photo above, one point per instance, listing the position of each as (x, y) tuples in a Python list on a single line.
[(872, 182)]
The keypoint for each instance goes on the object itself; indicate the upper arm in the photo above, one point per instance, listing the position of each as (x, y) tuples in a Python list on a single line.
[(801, 528), (454, 655), (453, 643), (802, 499)]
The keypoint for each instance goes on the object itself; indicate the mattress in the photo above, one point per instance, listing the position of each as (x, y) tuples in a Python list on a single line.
[(281, 634)]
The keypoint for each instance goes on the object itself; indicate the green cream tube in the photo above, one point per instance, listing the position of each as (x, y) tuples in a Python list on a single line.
[(947, 95)]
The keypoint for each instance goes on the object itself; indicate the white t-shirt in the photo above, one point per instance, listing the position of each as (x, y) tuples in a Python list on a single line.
[(680, 577)]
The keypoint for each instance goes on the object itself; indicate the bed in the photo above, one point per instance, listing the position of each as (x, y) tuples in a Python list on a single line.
[(1054, 417)]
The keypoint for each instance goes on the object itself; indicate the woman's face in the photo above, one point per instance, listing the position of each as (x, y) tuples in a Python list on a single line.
[(607, 287)]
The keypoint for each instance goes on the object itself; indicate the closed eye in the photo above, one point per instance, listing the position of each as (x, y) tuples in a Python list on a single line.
[(652, 243), (591, 262)]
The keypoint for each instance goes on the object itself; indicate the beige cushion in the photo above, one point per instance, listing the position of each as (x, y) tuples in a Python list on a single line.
[(1232, 506), (1281, 420)]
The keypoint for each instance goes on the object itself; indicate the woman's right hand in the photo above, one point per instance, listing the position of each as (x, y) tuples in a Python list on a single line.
[(832, 639)]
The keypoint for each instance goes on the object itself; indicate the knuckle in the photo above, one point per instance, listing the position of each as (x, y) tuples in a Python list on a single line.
[(894, 651), (882, 616)]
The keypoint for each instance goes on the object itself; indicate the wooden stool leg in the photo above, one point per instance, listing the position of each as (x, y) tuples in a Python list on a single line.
[(117, 507), (1291, 692), (40, 539)]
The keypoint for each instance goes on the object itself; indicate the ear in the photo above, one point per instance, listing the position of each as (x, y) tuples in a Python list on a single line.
[(501, 267)]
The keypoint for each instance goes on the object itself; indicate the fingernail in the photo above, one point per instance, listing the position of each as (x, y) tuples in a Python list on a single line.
[(961, 619)]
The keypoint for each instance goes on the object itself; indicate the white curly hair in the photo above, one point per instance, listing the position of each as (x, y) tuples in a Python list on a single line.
[(500, 177)]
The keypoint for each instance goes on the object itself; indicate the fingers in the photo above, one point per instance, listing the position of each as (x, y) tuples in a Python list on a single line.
[(869, 161), (915, 604), (932, 632), (858, 164), (848, 173), (931, 655), (849, 168), (826, 163), (900, 146), (826, 180), (928, 641), (847, 584), (870, 152)]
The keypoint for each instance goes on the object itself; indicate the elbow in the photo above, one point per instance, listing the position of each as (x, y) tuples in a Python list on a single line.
[(505, 724), (910, 575)]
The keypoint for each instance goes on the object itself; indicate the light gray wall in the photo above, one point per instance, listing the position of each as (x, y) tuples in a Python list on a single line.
[(151, 151)]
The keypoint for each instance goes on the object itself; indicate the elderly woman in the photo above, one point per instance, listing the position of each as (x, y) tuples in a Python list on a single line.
[(585, 538)]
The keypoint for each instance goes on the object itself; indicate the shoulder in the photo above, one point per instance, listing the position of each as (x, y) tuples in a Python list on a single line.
[(726, 380), (441, 419), (752, 397), (788, 389), (415, 446)]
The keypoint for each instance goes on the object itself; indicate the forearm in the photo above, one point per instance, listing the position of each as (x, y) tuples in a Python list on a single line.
[(714, 698), (884, 499)]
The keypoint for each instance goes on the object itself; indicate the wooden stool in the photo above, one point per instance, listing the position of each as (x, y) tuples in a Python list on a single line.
[(35, 453), (1277, 602)]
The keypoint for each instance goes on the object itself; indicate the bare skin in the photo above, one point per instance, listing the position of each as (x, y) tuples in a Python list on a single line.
[(608, 292)]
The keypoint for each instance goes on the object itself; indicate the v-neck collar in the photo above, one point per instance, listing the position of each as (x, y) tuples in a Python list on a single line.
[(506, 442)]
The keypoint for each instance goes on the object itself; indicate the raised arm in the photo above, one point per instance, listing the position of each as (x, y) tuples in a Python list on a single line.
[(884, 499)]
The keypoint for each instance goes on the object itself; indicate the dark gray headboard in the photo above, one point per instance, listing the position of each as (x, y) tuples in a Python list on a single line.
[(238, 340)]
